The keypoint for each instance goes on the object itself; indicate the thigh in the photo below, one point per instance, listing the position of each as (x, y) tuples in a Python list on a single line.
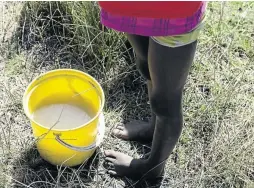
[(140, 45), (169, 68)]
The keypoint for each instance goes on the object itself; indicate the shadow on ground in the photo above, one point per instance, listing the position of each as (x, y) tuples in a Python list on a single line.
[(30, 169)]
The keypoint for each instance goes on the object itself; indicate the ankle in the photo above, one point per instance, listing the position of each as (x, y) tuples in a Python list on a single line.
[(154, 165)]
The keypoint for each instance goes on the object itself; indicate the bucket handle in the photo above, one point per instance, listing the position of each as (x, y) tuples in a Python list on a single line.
[(76, 148)]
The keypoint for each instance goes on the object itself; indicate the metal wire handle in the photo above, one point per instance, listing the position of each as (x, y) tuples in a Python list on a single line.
[(76, 148)]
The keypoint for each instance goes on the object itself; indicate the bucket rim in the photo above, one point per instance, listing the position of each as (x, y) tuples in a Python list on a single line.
[(98, 86)]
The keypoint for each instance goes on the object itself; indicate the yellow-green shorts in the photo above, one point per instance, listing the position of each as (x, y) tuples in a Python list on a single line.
[(180, 40)]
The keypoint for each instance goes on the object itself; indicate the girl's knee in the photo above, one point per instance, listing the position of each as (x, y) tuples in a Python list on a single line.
[(166, 104)]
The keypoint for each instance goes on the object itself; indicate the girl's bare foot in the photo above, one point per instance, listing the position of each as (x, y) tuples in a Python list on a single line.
[(124, 165), (135, 131)]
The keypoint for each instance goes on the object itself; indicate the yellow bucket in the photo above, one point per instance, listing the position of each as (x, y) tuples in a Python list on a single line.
[(67, 147)]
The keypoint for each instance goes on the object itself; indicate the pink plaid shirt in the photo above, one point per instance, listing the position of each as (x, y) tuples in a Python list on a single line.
[(152, 26)]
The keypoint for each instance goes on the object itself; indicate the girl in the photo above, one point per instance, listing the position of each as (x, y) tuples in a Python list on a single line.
[(164, 38)]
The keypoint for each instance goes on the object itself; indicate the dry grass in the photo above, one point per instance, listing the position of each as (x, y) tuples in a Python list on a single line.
[(216, 148)]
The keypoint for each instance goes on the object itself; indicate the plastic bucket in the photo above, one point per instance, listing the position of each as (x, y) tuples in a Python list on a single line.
[(67, 147)]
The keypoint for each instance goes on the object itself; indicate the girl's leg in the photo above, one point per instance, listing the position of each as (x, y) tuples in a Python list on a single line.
[(139, 130), (169, 68)]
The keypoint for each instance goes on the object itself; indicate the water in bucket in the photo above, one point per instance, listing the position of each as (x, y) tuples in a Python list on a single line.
[(61, 116)]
